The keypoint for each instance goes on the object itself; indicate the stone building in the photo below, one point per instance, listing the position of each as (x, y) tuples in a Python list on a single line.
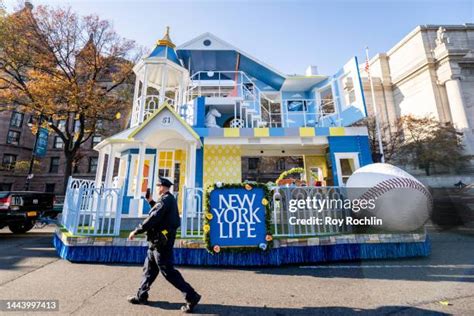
[(429, 72)]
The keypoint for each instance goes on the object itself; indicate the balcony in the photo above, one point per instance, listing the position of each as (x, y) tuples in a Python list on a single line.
[(239, 103)]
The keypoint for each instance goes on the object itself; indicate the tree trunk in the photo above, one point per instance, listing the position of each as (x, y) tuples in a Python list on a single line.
[(67, 169)]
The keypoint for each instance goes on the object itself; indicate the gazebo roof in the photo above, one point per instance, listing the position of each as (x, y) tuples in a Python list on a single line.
[(165, 49)]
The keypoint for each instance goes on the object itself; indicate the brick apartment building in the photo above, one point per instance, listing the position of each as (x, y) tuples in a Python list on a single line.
[(16, 146)]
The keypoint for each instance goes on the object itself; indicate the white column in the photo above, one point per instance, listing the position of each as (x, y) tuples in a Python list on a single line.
[(121, 171), (110, 167), (143, 95), (139, 177), (155, 175), (100, 168), (456, 103), (191, 165), (164, 83), (136, 104), (176, 92)]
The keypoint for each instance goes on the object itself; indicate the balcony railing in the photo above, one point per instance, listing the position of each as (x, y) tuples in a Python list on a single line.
[(151, 104), (252, 108), (310, 113)]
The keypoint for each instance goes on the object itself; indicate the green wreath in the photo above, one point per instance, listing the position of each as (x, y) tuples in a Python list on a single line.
[(286, 173), (213, 249)]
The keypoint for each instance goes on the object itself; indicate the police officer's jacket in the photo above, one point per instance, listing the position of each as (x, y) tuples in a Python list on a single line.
[(164, 216)]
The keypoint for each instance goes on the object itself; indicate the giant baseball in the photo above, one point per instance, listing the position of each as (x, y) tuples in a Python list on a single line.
[(401, 201)]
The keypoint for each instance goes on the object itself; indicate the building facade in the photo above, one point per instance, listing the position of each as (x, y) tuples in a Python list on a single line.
[(16, 147), (429, 72)]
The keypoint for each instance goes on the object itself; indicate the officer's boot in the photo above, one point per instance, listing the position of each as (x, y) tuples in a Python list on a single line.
[(188, 308)]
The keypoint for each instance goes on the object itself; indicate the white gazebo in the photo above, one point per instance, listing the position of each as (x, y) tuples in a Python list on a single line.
[(160, 77)]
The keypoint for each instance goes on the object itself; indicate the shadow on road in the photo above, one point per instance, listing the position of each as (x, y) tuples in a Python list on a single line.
[(17, 247), (451, 259), (216, 309)]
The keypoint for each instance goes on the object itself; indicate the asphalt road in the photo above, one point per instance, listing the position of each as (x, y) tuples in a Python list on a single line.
[(440, 284)]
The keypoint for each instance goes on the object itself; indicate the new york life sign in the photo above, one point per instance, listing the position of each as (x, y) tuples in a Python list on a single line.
[(238, 217)]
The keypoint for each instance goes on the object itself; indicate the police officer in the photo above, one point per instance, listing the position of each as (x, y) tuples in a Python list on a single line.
[(160, 227)]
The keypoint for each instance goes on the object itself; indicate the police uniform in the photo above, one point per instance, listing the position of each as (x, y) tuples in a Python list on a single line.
[(160, 227)]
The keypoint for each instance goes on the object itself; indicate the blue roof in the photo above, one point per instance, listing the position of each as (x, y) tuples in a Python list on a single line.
[(165, 52), (226, 60)]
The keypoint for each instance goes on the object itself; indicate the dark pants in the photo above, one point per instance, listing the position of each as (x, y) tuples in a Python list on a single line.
[(162, 260)]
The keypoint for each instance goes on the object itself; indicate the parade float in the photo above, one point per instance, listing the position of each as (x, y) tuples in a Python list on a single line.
[(197, 111)]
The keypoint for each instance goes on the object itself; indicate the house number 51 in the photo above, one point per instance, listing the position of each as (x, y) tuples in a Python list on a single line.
[(166, 120)]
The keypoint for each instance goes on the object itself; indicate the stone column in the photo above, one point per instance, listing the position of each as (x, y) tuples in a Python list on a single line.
[(456, 103)]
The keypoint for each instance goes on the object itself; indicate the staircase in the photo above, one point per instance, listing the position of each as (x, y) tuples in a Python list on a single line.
[(243, 90)]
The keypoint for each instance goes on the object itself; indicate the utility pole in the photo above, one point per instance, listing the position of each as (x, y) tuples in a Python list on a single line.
[(377, 126)]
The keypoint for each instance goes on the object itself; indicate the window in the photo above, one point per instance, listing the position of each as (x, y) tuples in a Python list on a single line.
[(281, 165), (13, 137), (77, 126), (96, 140), (165, 163), (93, 164), (327, 100), (6, 186), (253, 163), (75, 166), (50, 187), (346, 164), (348, 90), (99, 124), (54, 165), (297, 105), (9, 161), (16, 119), (58, 142), (62, 125)]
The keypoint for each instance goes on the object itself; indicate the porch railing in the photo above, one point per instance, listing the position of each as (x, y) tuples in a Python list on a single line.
[(281, 213), (192, 215), (192, 212), (92, 211)]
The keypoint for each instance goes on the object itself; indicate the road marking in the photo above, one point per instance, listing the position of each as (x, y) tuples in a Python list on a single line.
[(394, 266)]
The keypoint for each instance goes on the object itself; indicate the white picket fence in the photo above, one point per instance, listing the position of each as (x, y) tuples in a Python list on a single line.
[(192, 214), (92, 211), (193, 211)]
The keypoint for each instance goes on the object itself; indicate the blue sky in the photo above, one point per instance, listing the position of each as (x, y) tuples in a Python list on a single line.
[(289, 35)]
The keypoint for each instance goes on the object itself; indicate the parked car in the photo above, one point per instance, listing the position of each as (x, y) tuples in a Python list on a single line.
[(20, 210)]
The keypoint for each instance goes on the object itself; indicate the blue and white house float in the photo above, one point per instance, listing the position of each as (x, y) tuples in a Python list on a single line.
[(197, 110)]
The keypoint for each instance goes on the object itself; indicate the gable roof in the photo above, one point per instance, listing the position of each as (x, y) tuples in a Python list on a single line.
[(197, 44), (155, 114)]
